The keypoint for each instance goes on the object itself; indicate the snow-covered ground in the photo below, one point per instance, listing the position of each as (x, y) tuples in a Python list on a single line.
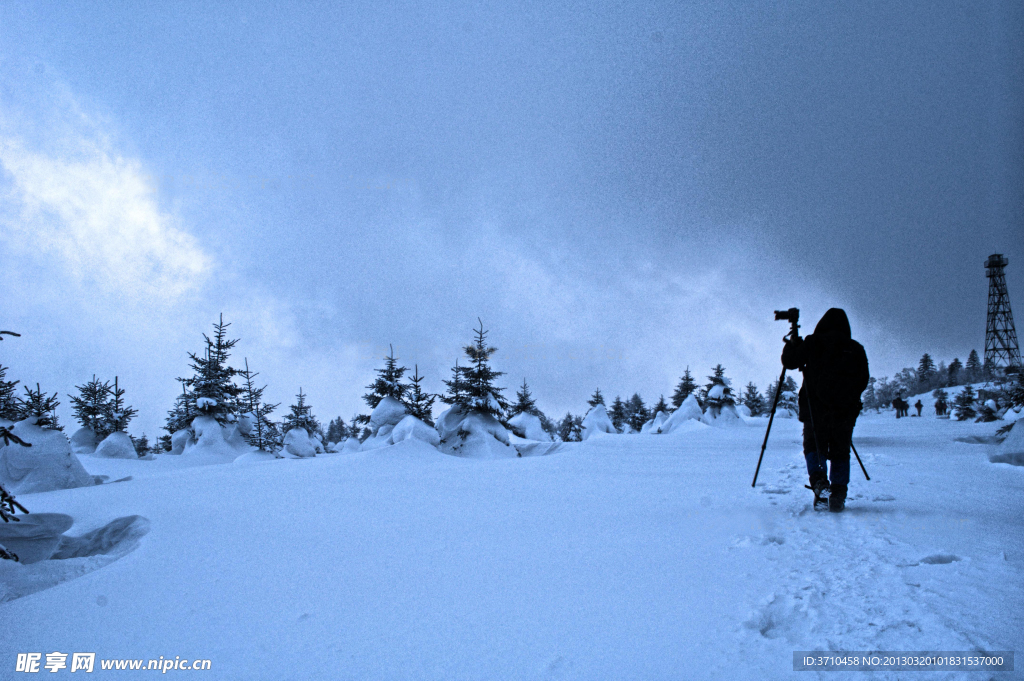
[(622, 557)]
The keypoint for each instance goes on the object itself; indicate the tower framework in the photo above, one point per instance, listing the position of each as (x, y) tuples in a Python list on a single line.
[(1002, 352)]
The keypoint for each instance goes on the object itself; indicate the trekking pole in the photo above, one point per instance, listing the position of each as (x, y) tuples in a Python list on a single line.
[(859, 461), (792, 315)]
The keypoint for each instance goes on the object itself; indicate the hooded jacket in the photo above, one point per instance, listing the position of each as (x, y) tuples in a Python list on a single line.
[(835, 367)]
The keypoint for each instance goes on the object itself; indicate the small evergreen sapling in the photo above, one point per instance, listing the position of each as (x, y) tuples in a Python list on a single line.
[(685, 388), (618, 413), (752, 400), (212, 389), (117, 414), (963, 405), (661, 406), (301, 416), (418, 402), (637, 413), (10, 406), (90, 406), (524, 404), (388, 382), (570, 428), (44, 409), (597, 398), (973, 368), (472, 387), (262, 432)]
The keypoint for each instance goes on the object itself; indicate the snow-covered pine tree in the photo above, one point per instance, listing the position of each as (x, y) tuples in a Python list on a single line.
[(212, 387), (116, 414), (477, 381), (36, 403), (388, 382), (359, 427), (251, 400), (963, 405), (163, 444), (418, 402), (456, 392), (597, 398), (8, 506), (336, 430), (618, 413), (637, 413), (141, 445), (973, 367), (524, 404), (717, 378), (660, 406), (300, 416), (570, 428), (752, 400), (184, 410), (91, 405), (10, 406), (685, 388)]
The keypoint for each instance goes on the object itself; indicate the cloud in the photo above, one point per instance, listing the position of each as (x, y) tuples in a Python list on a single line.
[(99, 213)]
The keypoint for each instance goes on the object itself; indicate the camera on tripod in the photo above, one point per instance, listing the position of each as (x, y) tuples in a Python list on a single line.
[(792, 315)]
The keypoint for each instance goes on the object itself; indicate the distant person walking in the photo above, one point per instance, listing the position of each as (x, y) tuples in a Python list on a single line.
[(835, 370), (918, 406)]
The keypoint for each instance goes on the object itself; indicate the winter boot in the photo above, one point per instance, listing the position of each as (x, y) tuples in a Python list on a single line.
[(837, 498), (819, 484)]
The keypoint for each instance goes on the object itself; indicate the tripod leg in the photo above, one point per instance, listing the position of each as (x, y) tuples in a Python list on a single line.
[(771, 418), (860, 462)]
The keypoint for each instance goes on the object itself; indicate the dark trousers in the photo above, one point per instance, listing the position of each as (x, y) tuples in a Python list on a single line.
[(829, 441)]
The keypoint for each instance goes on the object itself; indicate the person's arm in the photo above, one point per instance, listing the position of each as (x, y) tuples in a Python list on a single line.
[(794, 354)]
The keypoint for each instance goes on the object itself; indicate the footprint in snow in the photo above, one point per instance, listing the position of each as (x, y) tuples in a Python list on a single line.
[(884, 497), (940, 559)]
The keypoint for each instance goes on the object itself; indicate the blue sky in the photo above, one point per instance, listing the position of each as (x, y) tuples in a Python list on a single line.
[(619, 191)]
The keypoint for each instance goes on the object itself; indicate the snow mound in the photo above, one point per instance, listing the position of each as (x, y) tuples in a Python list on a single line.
[(299, 444), (116, 446), (73, 557), (217, 443), (725, 416), (597, 421), (351, 445), (474, 435), (688, 410), (654, 425), (181, 440), (83, 442), (47, 465), (411, 428), (528, 427), (1011, 451), (388, 412), (743, 410)]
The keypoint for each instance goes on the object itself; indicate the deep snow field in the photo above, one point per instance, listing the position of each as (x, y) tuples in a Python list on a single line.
[(622, 557)]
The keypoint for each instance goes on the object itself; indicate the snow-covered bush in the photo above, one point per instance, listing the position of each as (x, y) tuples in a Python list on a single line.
[(473, 434), (597, 421), (529, 427), (117, 445), (48, 464), (689, 410), (411, 428), (653, 426)]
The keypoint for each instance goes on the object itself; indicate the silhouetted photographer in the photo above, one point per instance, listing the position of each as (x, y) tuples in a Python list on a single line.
[(835, 370)]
